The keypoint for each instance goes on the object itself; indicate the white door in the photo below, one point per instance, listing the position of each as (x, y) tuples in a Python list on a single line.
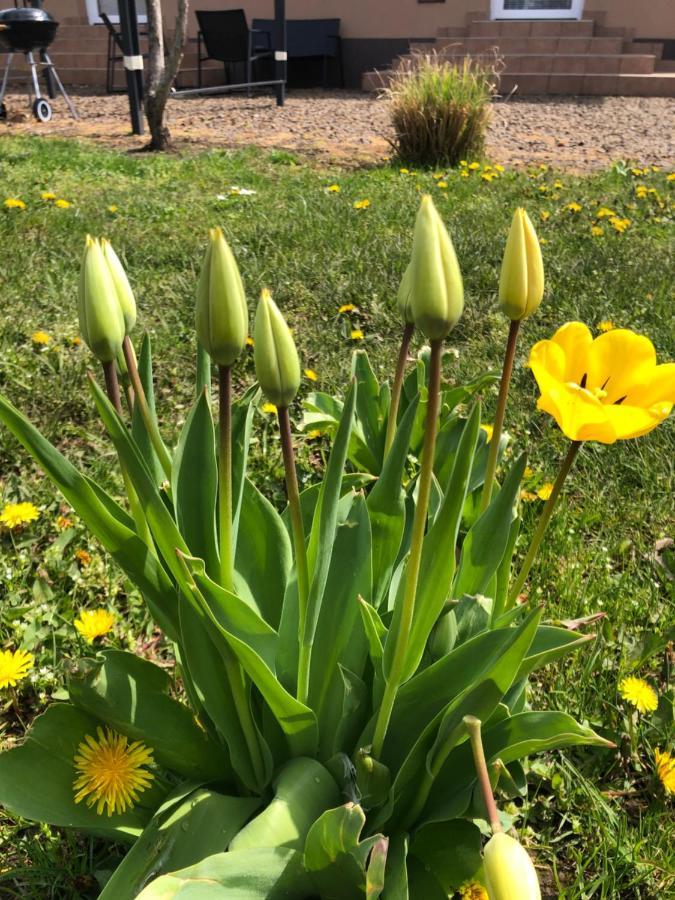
[(536, 9)]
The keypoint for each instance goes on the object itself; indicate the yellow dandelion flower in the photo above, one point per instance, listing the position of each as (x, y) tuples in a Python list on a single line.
[(40, 337), (361, 204), (94, 623), (487, 176), (63, 522), (670, 177), (619, 225), (82, 557), (333, 188), (442, 185), (604, 212), (544, 215), (543, 241), (464, 173), (473, 890), (313, 434), (14, 666), (596, 231), (473, 166), (528, 496), (543, 167), (545, 491), (62, 204), (268, 408), (76, 341), (529, 472), (543, 188), (47, 195), (574, 207), (636, 172), (346, 308), (557, 185), (489, 430), (665, 769), (500, 168), (311, 375), (113, 208), (14, 203), (606, 325), (14, 515), (437, 175), (356, 334), (111, 773), (249, 342), (404, 171), (639, 693)]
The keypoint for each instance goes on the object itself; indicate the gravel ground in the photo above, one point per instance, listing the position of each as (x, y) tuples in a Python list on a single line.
[(574, 133)]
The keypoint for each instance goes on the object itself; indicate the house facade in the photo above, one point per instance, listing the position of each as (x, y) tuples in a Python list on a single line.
[(639, 38)]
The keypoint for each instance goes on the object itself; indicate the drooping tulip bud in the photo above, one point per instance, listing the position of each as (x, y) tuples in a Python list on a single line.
[(125, 295), (437, 289), (509, 871), (521, 283), (404, 297), (99, 311), (222, 314), (277, 365)]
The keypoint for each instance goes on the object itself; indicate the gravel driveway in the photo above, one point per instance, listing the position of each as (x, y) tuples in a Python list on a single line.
[(574, 133)]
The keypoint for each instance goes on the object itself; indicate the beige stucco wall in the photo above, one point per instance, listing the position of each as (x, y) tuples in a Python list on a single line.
[(408, 18)]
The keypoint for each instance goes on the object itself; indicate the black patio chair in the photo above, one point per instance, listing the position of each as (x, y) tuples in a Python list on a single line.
[(307, 39), (227, 38)]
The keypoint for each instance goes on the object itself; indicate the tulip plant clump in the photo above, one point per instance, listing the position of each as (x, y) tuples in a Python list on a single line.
[(349, 698)]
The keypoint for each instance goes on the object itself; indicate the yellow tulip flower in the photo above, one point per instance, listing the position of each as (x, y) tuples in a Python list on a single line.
[(604, 389)]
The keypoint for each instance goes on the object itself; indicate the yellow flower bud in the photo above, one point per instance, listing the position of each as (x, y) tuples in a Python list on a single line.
[(125, 295), (277, 365), (509, 871), (521, 283), (437, 290), (404, 297), (99, 311), (222, 314)]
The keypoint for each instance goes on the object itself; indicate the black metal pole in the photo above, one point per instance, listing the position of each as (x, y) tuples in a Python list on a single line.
[(133, 62), (280, 53)]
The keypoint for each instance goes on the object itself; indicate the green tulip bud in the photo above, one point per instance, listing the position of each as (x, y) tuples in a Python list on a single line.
[(509, 871), (437, 290), (404, 297), (277, 365), (99, 311), (222, 314), (521, 283), (125, 295)]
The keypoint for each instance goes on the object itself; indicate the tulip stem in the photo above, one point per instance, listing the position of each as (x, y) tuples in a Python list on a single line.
[(397, 387), (113, 390), (297, 528), (472, 725), (148, 419), (507, 369), (412, 571), (225, 476), (112, 385), (544, 519)]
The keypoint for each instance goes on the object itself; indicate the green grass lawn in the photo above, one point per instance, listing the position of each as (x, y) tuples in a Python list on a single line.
[(598, 819)]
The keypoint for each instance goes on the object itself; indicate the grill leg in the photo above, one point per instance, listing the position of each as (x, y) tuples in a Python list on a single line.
[(47, 75), (8, 66), (33, 74), (50, 68)]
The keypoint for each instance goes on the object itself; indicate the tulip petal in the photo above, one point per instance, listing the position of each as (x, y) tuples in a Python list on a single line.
[(659, 388), (548, 363), (575, 339), (621, 362), (580, 416), (633, 421)]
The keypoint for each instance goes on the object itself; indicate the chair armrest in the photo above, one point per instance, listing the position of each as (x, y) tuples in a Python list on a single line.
[(265, 35)]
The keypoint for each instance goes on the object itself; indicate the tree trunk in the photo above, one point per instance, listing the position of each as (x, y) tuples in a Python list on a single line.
[(162, 71)]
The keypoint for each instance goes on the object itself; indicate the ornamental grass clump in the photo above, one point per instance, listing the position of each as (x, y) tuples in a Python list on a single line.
[(440, 109), (346, 703)]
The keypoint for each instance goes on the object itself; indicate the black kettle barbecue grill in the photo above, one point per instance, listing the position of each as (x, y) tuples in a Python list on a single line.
[(25, 30)]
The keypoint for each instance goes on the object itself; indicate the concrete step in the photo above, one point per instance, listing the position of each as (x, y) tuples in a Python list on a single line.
[(551, 45), (653, 47), (531, 27), (626, 85), (571, 64)]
